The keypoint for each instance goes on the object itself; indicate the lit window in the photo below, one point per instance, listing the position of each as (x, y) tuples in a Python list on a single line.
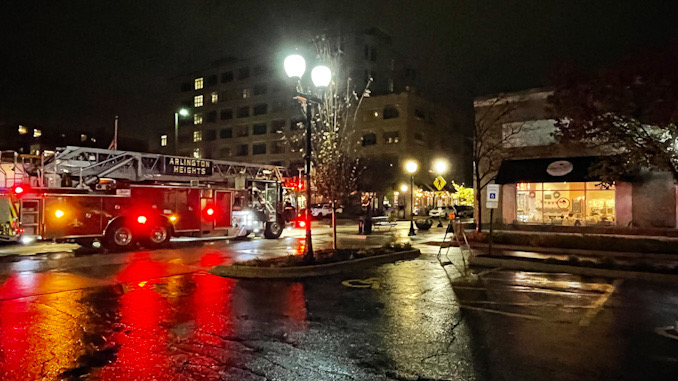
[(37, 133), (392, 137), (163, 140), (196, 153), (245, 93), (215, 97), (198, 83), (83, 137), (197, 118), (23, 130), (197, 136), (197, 101)]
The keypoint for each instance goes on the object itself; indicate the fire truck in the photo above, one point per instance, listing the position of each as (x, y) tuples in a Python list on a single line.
[(128, 199)]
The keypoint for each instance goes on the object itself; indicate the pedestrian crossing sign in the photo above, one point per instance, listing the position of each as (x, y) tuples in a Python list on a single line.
[(439, 182)]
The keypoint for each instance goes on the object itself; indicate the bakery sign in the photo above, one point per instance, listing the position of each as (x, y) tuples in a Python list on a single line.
[(183, 166)]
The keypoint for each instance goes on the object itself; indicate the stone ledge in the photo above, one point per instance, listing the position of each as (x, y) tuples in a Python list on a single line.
[(313, 270), (517, 264)]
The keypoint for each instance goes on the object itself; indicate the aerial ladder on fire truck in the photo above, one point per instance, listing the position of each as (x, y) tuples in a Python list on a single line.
[(80, 193)]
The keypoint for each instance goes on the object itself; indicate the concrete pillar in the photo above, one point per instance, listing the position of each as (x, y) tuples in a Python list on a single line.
[(507, 203)]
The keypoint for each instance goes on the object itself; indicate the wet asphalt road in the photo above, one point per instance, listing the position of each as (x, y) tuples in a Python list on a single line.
[(159, 316)]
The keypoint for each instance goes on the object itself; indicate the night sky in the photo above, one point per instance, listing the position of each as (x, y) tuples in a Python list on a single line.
[(77, 64)]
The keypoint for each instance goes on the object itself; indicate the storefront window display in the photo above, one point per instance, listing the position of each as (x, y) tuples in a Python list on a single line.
[(573, 204)]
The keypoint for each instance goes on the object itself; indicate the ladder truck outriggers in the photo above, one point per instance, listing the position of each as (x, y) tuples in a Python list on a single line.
[(127, 199)]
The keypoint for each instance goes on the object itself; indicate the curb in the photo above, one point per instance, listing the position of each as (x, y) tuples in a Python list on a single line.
[(311, 271), (582, 252), (516, 264)]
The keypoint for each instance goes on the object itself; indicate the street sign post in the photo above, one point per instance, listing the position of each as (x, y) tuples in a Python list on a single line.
[(492, 203)]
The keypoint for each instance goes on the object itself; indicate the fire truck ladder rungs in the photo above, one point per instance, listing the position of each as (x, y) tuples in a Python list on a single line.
[(87, 165)]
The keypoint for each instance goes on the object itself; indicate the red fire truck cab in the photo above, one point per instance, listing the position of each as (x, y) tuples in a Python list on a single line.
[(127, 199)]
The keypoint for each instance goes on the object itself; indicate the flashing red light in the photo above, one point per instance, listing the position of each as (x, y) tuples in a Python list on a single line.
[(142, 219), (210, 211), (302, 224), (19, 190)]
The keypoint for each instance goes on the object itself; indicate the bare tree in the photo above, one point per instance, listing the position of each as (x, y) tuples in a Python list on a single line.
[(490, 141), (335, 160)]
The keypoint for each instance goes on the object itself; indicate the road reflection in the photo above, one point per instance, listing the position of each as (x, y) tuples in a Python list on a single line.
[(147, 325)]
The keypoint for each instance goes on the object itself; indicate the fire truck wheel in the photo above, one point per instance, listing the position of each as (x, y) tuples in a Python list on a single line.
[(119, 237), (159, 236), (273, 230)]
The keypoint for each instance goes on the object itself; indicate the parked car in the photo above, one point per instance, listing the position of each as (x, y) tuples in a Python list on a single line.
[(464, 211), (460, 211), (324, 210)]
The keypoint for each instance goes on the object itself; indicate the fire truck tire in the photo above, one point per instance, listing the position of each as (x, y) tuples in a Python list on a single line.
[(159, 236), (119, 237), (273, 230)]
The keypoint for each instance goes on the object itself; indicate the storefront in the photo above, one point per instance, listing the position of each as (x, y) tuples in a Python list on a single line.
[(556, 191), (565, 203)]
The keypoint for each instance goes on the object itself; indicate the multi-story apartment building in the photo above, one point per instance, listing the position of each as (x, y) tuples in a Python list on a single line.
[(244, 110)]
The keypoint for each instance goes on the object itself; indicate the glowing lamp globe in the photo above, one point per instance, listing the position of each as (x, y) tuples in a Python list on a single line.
[(411, 166), (295, 66), (321, 76)]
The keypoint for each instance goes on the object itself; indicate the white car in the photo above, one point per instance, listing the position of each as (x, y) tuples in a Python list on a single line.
[(324, 210)]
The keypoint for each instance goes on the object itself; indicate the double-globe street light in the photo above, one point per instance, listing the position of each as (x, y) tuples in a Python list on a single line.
[(182, 112), (321, 75), (411, 167)]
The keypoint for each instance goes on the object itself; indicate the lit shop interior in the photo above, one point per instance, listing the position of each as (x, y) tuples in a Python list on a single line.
[(565, 203)]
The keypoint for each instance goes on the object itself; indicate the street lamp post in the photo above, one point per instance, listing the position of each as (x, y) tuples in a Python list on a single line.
[(295, 66), (411, 167), (182, 112), (439, 168)]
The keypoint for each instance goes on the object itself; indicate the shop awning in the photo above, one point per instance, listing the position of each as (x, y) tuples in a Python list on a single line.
[(551, 170)]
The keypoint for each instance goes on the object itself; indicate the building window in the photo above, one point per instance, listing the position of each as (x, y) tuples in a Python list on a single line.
[(196, 153), (259, 129), (278, 146), (215, 97), (83, 137), (197, 118), (197, 136), (226, 114), (210, 135), (573, 204), (277, 126), (419, 114), (227, 77), (419, 137), (259, 89), (212, 80), (243, 131), (390, 112), (211, 117), (23, 130), (531, 133), (243, 150), (392, 137), (260, 109), (369, 139), (198, 101), (245, 93), (225, 152), (244, 72), (198, 83), (296, 124), (226, 133), (258, 148), (163, 140), (37, 133), (244, 112)]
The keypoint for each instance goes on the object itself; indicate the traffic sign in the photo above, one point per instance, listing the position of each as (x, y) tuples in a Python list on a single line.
[(492, 201), (439, 182)]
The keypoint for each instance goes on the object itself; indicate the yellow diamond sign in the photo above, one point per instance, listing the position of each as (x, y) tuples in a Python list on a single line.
[(439, 182)]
